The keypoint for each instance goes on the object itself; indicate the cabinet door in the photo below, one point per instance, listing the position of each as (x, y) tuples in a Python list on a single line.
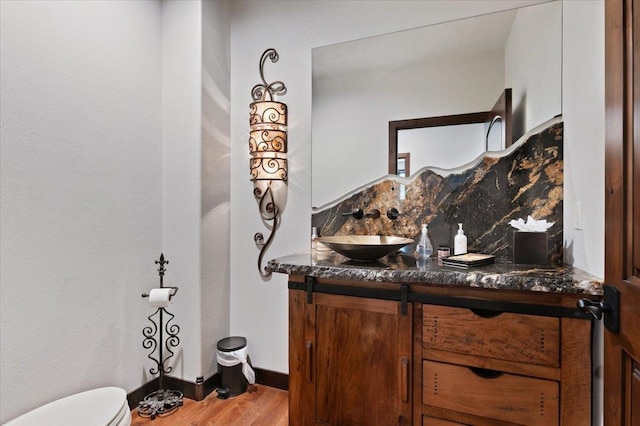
[(301, 390), (350, 361)]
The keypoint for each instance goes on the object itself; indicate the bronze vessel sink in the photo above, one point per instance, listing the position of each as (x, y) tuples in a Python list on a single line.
[(365, 247)]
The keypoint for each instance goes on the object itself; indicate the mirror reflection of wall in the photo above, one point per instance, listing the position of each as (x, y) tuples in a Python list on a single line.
[(450, 68), (404, 170), (404, 164), (444, 147)]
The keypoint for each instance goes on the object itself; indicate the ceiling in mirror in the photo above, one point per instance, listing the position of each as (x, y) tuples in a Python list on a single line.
[(450, 68)]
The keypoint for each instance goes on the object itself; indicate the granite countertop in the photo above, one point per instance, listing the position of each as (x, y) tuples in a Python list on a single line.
[(402, 268)]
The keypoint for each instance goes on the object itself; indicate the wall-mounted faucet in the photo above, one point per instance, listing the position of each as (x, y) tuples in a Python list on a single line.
[(393, 213), (359, 214), (356, 213)]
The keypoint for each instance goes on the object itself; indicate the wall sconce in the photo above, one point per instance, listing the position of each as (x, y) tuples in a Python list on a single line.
[(268, 150)]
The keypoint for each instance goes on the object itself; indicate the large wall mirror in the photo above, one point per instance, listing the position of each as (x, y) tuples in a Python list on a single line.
[(452, 68)]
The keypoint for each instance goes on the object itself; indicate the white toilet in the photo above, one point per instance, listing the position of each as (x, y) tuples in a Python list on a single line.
[(98, 407)]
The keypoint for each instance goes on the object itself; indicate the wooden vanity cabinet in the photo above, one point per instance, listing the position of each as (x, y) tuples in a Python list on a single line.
[(356, 360), (496, 367), (349, 361)]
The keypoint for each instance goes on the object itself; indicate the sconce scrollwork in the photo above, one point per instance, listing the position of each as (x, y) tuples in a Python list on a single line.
[(269, 212), (260, 91), (268, 150)]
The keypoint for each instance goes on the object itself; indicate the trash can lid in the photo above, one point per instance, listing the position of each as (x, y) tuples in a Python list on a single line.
[(232, 343)]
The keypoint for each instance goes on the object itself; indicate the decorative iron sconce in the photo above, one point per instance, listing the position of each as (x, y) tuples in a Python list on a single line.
[(268, 149)]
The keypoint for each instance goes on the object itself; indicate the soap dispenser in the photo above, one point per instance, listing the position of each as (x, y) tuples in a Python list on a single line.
[(424, 247), (460, 242)]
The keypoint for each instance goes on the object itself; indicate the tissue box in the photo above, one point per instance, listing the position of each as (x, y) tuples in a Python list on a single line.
[(530, 247)]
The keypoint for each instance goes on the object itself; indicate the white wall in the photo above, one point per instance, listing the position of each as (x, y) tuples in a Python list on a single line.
[(108, 111), (196, 183), (81, 182), (259, 309), (216, 179), (181, 176), (445, 147), (533, 62), (583, 110)]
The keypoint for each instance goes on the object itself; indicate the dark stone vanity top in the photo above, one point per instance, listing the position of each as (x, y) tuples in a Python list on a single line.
[(403, 268)]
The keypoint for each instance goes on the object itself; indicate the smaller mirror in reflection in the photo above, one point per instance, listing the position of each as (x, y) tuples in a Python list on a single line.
[(444, 147), (404, 170)]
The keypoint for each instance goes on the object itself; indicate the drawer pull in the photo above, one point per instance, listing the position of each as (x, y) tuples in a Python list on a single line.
[(486, 373), (485, 313)]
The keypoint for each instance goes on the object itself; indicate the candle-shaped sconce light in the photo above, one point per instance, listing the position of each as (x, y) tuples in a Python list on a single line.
[(268, 150)]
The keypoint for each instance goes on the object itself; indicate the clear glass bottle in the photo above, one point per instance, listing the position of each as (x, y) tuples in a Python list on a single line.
[(424, 249), (314, 238)]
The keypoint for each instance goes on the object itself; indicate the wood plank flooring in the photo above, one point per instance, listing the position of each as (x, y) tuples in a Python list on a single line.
[(260, 405)]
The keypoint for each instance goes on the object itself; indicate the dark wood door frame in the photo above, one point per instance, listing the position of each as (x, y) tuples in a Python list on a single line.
[(622, 209), (503, 109)]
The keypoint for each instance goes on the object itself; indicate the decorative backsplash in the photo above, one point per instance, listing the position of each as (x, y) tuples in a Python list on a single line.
[(485, 197)]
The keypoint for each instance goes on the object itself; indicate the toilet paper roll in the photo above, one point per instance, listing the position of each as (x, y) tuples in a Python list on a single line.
[(159, 297)]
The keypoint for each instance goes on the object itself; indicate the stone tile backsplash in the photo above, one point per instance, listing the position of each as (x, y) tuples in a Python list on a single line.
[(485, 197)]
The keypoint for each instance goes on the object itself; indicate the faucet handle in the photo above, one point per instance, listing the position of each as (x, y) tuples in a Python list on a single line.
[(393, 213), (356, 213)]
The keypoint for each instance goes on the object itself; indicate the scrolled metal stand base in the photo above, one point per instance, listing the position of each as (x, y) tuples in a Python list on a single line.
[(160, 403)]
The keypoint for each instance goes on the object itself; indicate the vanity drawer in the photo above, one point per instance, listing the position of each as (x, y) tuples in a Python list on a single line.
[(506, 336), (489, 394)]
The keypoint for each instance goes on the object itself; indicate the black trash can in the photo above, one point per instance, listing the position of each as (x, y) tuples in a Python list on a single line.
[(232, 378)]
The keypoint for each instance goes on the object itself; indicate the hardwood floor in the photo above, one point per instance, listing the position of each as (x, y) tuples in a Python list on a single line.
[(260, 405)]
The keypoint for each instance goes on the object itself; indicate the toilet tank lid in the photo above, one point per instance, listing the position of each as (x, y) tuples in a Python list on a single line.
[(96, 407)]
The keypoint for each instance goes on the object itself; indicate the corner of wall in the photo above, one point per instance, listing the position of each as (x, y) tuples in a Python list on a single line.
[(216, 182)]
